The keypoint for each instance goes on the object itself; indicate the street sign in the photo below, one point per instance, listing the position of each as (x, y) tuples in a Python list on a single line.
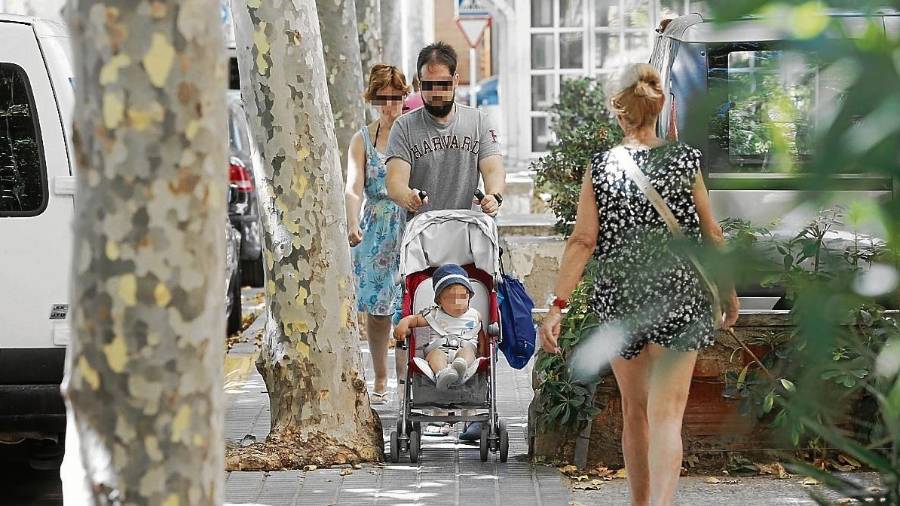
[(469, 8), (473, 27)]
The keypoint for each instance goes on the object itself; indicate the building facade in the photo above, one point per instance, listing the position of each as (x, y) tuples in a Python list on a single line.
[(549, 41)]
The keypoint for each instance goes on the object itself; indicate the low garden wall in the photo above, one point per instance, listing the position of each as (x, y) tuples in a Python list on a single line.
[(714, 427)]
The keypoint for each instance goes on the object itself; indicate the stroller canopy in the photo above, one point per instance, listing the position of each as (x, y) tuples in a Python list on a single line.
[(461, 237)]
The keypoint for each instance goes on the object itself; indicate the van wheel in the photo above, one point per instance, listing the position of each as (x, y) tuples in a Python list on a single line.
[(234, 313), (252, 273), (46, 455)]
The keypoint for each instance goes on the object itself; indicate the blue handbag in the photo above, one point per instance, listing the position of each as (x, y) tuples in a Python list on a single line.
[(517, 325)]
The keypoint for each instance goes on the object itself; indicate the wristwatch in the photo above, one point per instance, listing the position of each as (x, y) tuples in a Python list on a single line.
[(499, 198), (553, 300)]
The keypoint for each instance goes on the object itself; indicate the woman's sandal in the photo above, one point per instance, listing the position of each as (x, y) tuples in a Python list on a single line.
[(378, 398)]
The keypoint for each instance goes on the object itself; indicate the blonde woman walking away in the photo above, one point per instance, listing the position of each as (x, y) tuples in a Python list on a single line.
[(656, 295)]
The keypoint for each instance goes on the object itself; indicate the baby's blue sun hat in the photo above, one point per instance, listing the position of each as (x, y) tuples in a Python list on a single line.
[(450, 274)]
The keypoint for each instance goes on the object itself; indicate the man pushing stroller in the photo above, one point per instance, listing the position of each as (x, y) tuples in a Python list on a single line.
[(451, 337)]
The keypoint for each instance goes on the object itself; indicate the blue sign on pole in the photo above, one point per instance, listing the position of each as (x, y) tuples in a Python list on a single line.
[(471, 8)]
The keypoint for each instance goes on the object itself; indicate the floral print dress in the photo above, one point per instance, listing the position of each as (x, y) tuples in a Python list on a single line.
[(654, 294), (376, 259)]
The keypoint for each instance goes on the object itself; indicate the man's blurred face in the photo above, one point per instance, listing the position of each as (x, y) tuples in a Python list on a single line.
[(438, 88)]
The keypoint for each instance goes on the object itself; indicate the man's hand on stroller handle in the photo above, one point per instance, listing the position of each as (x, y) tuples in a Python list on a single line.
[(489, 203), (415, 198)]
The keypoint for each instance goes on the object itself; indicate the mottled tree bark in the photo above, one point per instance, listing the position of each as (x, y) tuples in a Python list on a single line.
[(343, 70), (368, 23), (144, 372), (310, 358), (392, 32)]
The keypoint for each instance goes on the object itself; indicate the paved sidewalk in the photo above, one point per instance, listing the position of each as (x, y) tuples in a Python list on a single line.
[(448, 472)]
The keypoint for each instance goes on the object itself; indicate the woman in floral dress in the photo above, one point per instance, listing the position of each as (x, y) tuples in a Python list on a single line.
[(374, 234), (651, 294)]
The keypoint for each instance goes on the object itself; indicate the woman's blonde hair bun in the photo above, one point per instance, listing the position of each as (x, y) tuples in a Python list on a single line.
[(636, 94)]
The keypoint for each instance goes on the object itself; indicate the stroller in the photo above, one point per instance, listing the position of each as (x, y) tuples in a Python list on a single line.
[(469, 239)]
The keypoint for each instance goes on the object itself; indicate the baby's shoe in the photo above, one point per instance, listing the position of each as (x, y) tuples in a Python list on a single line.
[(460, 366), (447, 377)]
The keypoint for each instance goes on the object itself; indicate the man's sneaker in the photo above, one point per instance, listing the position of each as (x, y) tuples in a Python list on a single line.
[(472, 432), (446, 378), (460, 366)]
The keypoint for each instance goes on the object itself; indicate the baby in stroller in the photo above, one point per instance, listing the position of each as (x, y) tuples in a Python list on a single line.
[(451, 327)]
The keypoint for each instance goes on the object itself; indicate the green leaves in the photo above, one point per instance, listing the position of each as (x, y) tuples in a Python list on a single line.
[(582, 127)]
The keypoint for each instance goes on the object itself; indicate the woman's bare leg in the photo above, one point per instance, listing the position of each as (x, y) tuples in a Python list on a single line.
[(633, 378), (670, 382), (378, 329)]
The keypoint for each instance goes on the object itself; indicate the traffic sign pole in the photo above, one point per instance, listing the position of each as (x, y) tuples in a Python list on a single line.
[(472, 27), (473, 78)]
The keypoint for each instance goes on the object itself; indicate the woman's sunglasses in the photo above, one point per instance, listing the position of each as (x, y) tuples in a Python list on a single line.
[(385, 99)]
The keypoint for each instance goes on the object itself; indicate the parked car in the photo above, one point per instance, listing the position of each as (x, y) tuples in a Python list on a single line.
[(487, 92), (244, 211), (744, 64), (37, 191), (232, 271)]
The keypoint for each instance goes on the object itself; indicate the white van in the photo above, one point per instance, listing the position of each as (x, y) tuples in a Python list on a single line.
[(742, 64), (37, 187)]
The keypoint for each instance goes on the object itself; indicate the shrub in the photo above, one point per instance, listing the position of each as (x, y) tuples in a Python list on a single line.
[(582, 126)]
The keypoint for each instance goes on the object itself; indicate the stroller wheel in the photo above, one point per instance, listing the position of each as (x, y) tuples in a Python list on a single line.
[(504, 441), (485, 442), (415, 445), (395, 447)]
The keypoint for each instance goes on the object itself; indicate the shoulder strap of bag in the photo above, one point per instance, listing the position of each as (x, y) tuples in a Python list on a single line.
[(624, 160), (643, 182)]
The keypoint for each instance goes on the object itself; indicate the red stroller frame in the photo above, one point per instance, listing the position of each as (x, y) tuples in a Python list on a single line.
[(494, 435)]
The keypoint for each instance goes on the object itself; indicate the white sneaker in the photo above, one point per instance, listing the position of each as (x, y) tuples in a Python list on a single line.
[(447, 377), (460, 366)]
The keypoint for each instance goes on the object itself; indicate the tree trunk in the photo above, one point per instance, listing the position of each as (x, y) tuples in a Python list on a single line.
[(368, 23), (144, 373), (392, 32), (310, 359), (337, 21)]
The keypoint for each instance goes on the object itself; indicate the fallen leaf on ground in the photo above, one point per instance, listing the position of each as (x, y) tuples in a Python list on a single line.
[(309, 468), (346, 471), (712, 480), (809, 482), (621, 474), (357, 466), (775, 469), (850, 461), (248, 320), (582, 477), (568, 469), (588, 485), (601, 471)]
